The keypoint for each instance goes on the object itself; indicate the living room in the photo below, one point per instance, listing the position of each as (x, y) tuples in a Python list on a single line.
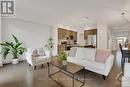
[(84, 32)]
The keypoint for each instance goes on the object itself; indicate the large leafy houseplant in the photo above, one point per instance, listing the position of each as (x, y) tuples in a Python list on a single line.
[(15, 48)]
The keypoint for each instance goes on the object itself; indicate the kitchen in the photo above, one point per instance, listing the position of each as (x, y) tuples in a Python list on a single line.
[(69, 38)]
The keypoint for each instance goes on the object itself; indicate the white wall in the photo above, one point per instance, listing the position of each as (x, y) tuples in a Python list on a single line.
[(80, 32), (32, 34), (55, 38), (0, 41), (129, 36), (102, 36), (109, 39)]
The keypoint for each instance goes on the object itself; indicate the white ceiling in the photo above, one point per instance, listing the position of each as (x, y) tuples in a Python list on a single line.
[(74, 12)]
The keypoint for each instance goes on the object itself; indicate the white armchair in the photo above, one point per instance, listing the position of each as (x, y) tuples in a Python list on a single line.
[(37, 57), (126, 77)]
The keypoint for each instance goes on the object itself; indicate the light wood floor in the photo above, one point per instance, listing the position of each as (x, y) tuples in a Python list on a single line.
[(22, 75)]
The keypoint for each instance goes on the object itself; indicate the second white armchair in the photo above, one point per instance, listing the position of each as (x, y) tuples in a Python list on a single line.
[(37, 56)]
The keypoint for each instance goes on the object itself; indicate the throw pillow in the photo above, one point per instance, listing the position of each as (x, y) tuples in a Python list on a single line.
[(102, 55), (34, 53)]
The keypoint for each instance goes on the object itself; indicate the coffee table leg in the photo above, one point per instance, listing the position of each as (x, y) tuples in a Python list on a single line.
[(84, 77), (48, 70), (73, 81)]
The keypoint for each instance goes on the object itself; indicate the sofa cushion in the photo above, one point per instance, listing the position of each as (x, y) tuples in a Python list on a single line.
[(72, 52), (90, 54), (102, 55), (86, 54), (80, 54), (86, 63)]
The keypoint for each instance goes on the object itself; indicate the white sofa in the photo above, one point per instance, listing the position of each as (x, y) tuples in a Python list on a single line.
[(34, 60), (126, 76), (86, 57)]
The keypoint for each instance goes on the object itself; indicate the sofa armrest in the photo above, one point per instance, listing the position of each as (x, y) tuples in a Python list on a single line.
[(125, 81), (127, 70), (30, 58), (108, 64)]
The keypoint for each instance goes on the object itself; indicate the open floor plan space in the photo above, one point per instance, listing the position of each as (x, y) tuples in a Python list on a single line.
[(23, 75), (64, 43)]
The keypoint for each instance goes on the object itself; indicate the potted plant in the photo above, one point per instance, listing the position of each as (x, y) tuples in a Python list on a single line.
[(63, 58), (49, 45), (15, 48)]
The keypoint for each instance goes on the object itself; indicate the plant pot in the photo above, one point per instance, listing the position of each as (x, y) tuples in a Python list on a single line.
[(15, 61), (64, 62)]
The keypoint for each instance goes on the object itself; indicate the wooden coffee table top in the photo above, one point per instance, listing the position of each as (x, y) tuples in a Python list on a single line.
[(70, 67)]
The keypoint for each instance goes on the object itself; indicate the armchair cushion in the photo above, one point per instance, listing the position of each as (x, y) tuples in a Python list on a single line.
[(41, 59), (41, 52)]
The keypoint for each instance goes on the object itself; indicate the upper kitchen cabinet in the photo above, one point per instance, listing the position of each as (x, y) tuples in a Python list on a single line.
[(61, 33), (64, 33), (89, 32)]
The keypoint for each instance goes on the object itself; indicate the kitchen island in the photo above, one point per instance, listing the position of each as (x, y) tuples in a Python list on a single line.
[(77, 45)]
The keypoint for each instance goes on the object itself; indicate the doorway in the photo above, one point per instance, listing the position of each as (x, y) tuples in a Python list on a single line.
[(121, 40)]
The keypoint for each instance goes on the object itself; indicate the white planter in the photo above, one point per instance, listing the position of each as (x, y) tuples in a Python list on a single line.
[(15, 61), (64, 62)]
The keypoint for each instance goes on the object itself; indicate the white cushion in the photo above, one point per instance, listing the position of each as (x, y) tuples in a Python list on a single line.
[(41, 59), (86, 63), (80, 53), (86, 54), (40, 52), (127, 70), (90, 54)]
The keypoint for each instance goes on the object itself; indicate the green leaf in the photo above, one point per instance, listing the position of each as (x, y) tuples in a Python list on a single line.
[(17, 45), (9, 44), (15, 38), (63, 56), (5, 52), (3, 44), (21, 50)]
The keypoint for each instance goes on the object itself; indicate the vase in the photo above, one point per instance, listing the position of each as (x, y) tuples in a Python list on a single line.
[(15, 61), (64, 62)]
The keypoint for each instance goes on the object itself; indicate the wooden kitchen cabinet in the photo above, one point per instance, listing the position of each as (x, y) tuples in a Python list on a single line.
[(62, 36), (89, 32), (61, 33), (70, 33)]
